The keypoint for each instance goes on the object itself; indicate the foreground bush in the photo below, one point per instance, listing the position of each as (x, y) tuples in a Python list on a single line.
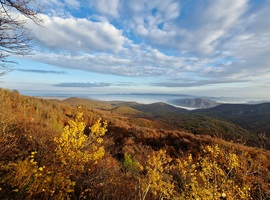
[(57, 175)]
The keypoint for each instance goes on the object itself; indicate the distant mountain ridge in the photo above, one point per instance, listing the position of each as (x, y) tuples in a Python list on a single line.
[(158, 115), (195, 103), (253, 117), (228, 121), (258, 102), (159, 108)]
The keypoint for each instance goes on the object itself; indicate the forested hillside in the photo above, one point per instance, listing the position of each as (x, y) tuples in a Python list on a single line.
[(255, 118), (195, 103), (81, 149), (167, 117)]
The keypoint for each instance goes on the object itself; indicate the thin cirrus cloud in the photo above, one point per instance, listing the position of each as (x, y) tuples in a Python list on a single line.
[(117, 65), (40, 71), (73, 4), (89, 85), (221, 41), (109, 8), (194, 83)]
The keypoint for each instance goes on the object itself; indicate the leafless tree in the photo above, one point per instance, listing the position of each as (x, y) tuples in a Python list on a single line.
[(14, 36)]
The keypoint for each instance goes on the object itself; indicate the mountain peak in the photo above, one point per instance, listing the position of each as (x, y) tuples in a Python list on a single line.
[(195, 103)]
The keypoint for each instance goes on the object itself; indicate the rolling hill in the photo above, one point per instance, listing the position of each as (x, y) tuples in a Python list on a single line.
[(160, 115), (228, 121), (55, 149), (194, 103), (255, 117)]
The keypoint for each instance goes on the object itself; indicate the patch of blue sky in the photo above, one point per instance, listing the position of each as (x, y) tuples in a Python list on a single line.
[(83, 12), (188, 12), (154, 12)]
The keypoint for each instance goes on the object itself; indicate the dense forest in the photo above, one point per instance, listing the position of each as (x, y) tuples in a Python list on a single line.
[(84, 149)]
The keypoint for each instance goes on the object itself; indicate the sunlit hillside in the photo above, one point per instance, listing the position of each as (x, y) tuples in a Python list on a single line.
[(86, 149)]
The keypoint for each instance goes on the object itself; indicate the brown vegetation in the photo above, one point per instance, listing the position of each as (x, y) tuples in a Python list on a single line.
[(50, 149)]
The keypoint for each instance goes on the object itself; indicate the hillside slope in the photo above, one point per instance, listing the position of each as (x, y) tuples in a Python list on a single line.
[(196, 122), (50, 149), (231, 122), (194, 103), (255, 118)]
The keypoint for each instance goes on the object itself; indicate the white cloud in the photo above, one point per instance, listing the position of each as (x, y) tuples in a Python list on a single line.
[(219, 18), (74, 4), (75, 34), (53, 3), (136, 60), (147, 18), (224, 13), (250, 46), (217, 41), (160, 23), (168, 9), (223, 30), (106, 7)]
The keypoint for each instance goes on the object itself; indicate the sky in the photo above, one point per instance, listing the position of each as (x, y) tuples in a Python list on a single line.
[(204, 48)]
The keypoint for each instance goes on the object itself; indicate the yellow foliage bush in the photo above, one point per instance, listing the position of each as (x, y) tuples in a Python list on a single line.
[(157, 180), (214, 175), (57, 180)]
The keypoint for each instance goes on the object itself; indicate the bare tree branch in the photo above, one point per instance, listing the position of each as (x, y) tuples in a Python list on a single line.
[(14, 36)]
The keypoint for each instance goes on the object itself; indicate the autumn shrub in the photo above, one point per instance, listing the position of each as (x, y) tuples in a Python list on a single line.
[(215, 174), (130, 165), (74, 155), (157, 180)]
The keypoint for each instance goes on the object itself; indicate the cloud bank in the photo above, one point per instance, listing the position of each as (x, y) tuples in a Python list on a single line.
[(89, 85), (206, 42), (40, 71)]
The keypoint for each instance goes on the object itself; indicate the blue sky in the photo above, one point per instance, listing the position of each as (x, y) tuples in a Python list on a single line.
[(214, 48)]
